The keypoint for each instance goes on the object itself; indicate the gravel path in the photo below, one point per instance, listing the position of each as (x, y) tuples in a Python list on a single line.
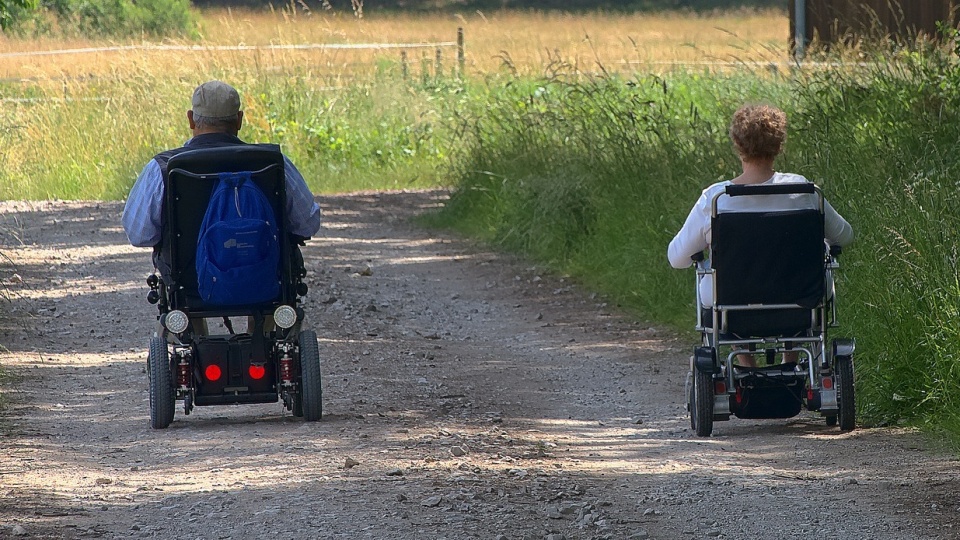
[(467, 394)]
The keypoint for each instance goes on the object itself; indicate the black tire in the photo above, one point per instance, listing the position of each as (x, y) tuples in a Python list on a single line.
[(846, 401), (162, 396), (701, 410), (311, 394), (831, 420)]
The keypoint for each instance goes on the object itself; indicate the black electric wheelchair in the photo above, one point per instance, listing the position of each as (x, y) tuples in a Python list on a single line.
[(189, 360), (772, 303)]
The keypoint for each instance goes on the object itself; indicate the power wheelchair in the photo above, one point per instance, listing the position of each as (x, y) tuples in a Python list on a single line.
[(772, 301), (273, 359)]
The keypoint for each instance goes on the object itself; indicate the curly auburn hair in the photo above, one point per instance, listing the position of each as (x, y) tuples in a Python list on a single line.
[(758, 131)]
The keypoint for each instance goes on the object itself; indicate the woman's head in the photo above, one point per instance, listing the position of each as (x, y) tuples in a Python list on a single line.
[(758, 132)]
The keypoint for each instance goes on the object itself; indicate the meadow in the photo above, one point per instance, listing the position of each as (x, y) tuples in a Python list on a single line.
[(580, 141), (74, 123)]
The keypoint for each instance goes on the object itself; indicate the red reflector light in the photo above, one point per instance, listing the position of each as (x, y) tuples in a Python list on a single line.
[(256, 372), (719, 387), (212, 372), (827, 383)]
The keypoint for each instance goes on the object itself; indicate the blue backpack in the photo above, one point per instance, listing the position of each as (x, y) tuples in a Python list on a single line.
[(238, 249)]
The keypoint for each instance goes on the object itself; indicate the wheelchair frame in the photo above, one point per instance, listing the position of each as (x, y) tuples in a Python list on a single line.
[(822, 379), (186, 363)]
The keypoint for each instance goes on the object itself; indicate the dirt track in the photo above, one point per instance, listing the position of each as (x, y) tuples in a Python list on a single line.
[(474, 396)]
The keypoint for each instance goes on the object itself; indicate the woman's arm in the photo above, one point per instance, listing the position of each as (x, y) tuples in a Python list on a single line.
[(692, 237), (836, 230)]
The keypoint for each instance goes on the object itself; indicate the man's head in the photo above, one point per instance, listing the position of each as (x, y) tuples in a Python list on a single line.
[(216, 109)]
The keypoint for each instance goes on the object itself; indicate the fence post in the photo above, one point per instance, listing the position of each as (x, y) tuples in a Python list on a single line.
[(460, 55), (800, 24), (438, 66), (425, 67), (403, 64)]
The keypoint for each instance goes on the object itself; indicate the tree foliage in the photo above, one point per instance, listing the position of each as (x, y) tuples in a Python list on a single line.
[(98, 18), (11, 10)]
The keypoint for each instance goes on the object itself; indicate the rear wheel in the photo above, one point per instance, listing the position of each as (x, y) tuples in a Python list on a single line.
[(701, 410), (310, 401), (162, 397), (846, 403)]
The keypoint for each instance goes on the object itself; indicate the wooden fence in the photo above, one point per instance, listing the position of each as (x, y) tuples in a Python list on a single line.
[(832, 21)]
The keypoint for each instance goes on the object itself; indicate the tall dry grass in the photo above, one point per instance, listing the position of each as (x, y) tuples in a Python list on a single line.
[(80, 125), (525, 42)]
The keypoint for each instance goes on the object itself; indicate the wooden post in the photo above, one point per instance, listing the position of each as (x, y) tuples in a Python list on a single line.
[(425, 68), (438, 65), (460, 56), (800, 29), (403, 64)]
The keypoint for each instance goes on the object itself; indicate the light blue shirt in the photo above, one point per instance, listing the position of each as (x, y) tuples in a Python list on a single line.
[(142, 212)]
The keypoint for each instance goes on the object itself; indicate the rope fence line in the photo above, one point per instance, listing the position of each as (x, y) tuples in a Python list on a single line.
[(403, 47), (207, 48), (754, 63), (110, 98)]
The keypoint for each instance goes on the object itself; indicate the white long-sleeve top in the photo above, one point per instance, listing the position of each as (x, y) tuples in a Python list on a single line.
[(694, 236)]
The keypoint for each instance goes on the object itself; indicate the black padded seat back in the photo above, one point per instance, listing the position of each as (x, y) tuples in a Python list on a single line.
[(191, 177), (766, 258)]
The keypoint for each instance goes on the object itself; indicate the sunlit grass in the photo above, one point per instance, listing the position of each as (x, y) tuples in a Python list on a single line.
[(524, 41), (81, 125)]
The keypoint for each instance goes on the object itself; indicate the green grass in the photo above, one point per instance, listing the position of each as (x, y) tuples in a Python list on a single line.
[(89, 140), (596, 176)]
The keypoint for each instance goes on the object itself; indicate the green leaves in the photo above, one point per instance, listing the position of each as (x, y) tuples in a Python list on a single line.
[(13, 10)]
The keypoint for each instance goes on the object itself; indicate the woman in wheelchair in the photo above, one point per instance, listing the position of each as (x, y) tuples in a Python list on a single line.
[(758, 133), (762, 211)]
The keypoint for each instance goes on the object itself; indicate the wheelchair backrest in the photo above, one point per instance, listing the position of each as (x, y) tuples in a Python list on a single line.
[(768, 258), (189, 182)]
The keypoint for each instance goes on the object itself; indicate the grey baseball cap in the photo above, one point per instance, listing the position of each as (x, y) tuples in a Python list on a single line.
[(216, 99)]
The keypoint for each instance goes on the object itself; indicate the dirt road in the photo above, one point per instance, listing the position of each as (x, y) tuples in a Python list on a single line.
[(467, 394)]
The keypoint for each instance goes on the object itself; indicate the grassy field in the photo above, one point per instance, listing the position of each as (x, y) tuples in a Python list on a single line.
[(81, 124), (526, 41)]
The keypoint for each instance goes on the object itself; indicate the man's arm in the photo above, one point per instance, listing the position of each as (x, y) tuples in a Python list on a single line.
[(303, 213), (141, 213)]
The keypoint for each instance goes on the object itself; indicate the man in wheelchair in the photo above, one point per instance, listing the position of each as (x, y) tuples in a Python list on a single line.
[(766, 291), (225, 219)]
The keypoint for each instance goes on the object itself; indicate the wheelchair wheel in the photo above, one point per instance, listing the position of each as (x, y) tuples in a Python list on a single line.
[(701, 408), (162, 397), (311, 394), (846, 402)]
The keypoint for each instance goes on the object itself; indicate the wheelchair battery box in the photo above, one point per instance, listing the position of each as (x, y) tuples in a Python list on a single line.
[(231, 369), (758, 397)]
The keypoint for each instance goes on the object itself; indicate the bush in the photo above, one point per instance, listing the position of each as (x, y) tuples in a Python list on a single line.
[(107, 18)]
